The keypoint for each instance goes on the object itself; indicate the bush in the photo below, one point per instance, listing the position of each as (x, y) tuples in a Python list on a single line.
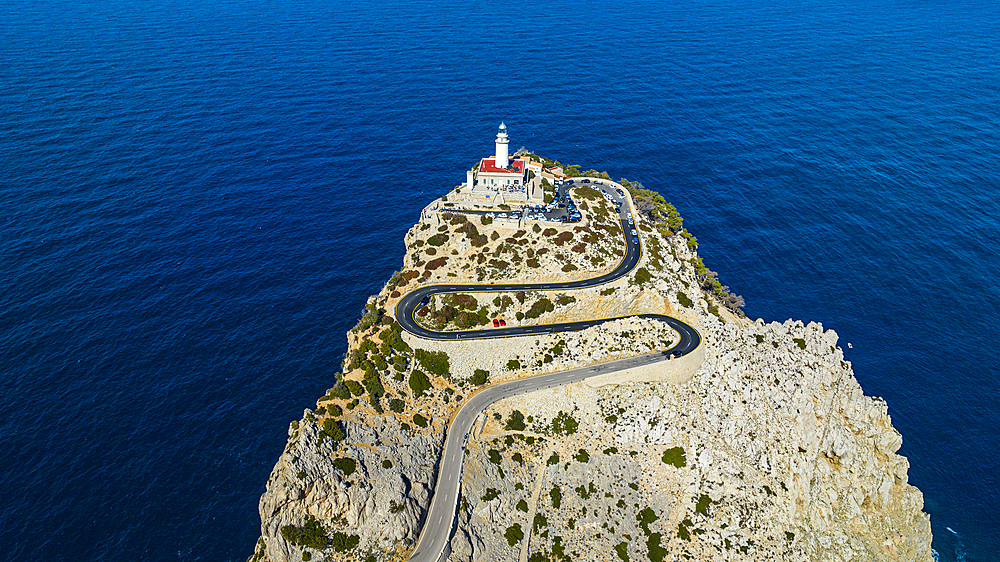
[(582, 456), (495, 457), (435, 263), (514, 534), (486, 220), (621, 549), (387, 464), (480, 377), (342, 542), (684, 300), (515, 422), (332, 429), (642, 275), (556, 494), (310, 535), (373, 384), (675, 456), (540, 307), (419, 383), (564, 423), (337, 392), (346, 465), (491, 494), (800, 342), (539, 522), (513, 364), (522, 506), (396, 405), (419, 420), (438, 239), (436, 362), (354, 387), (553, 460)]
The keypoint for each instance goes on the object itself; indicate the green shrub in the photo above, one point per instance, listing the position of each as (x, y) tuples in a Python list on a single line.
[(514, 534), (310, 535), (656, 552), (515, 422), (554, 459), (485, 220), (354, 387), (396, 405), (621, 549), (436, 362), (342, 542), (335, 410), (513, 364), (419, 420), (419, 383), (582, 456), (564, 423), (645, 517), (337, 392), (642, 275), (495, 457), (480, 377), (438, 239), (522, 506), (675, 456), (491, 494), (346, 465), (800, 342), (306, 556), (702, 506), (333, 430), (373, 384), (539, 522), (684, 300), (556, 494), (540, 307), (387, 464)]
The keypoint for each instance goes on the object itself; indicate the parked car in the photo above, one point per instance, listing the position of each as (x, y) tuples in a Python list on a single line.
[(502, 323), (584, 181), (496, 323)]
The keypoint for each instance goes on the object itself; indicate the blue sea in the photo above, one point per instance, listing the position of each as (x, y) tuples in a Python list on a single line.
[(198, 198)]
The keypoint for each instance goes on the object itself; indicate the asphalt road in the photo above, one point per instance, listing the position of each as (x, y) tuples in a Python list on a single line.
[(408, 305), (438, 525)]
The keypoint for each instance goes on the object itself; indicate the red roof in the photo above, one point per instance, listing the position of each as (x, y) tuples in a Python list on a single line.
[(490, 165)]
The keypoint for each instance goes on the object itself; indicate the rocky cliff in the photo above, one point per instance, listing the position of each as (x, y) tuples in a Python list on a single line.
[(760, 446)]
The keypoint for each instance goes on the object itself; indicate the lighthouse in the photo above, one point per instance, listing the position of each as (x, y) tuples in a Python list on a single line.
[(502, 160)]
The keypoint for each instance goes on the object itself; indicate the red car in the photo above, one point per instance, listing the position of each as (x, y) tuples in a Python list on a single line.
[(496, 323), (502, 323)]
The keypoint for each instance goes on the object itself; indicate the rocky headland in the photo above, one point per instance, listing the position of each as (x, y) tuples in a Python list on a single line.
[(759, 446)]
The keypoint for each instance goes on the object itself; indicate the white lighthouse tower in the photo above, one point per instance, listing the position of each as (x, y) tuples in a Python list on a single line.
[(502, 160)]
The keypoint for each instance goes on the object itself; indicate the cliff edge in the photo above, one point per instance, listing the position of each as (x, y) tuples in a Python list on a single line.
[(762, 445)]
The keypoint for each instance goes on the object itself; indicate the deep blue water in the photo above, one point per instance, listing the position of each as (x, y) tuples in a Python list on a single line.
[(197, 200)]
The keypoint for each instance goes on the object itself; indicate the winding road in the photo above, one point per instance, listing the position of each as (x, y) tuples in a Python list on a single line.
[(438, 525)]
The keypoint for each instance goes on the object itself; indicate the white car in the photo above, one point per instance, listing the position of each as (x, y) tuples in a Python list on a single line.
[(634, 232), (502, 216)]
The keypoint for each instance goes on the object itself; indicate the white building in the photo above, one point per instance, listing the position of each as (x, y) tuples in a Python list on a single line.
[(498, 178)]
